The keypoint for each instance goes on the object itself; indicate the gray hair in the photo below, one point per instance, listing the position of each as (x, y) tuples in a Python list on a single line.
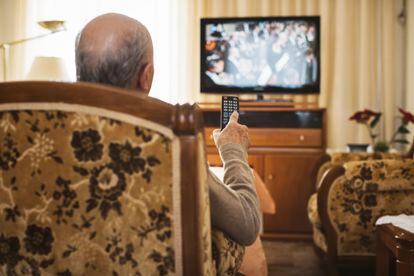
[(117, 67)]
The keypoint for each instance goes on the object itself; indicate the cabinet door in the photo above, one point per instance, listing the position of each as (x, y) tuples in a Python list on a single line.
[(290, 177)]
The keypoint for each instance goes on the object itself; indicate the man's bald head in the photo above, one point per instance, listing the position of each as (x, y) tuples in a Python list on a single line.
[(117, 50)]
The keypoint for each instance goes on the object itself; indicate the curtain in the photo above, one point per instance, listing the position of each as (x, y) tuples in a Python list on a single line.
[(162, 18), (13, 22), (409, 58), (363, 54)]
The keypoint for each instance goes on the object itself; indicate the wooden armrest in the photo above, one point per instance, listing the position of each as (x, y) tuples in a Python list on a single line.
[(322, 200)]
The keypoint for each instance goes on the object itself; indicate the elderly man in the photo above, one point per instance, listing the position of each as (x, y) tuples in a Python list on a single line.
[(117, 50)]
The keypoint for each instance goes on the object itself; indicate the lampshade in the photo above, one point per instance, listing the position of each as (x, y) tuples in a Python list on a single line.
[(53, 25), (48, 68)]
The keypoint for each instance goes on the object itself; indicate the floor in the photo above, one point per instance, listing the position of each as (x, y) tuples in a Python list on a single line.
[(298, 259), (292, 259)]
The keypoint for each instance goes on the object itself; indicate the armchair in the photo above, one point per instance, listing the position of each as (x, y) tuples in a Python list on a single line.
[(97, 181), (350, 198)]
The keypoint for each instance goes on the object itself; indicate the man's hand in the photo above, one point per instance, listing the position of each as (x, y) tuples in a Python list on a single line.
[(233, 133)]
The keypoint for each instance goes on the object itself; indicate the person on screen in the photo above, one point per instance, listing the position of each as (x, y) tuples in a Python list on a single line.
[(310, 35), (254, 34), (310, 68), (301, 39), (117, 50), (231, 65), (215, 74)]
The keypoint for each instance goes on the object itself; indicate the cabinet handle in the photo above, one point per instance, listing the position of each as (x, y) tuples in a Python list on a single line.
[(270, 177), (302, 138)]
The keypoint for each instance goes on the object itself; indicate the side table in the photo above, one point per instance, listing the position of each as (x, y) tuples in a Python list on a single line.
[(394, 243)]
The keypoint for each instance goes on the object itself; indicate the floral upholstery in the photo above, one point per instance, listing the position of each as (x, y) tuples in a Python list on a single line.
[(368, 190), (317, 231), (74, 187), (343, 157), (227, 254), (340, 158), (337, 158), (87, 194)]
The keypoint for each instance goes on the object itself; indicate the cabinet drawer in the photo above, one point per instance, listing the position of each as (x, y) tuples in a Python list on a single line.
[(276, 137)]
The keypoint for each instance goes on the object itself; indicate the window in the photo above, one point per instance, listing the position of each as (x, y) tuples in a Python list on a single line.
[(159, 16)]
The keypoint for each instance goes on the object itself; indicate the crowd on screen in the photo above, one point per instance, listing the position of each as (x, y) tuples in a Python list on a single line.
[(261, 54)]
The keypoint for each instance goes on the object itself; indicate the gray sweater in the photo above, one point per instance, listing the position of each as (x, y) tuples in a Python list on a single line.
[(234, 203)]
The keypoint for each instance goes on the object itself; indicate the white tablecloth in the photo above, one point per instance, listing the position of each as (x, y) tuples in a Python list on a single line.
[(403, 221)]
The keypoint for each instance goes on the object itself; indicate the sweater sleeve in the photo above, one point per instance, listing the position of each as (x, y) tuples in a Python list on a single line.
[(234, 203)]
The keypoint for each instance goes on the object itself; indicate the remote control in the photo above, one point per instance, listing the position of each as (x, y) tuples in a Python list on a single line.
[(228, 105)]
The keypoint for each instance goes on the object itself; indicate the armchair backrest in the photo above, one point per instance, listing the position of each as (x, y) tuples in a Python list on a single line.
[(96, 180), (340, 158), (356, 195)]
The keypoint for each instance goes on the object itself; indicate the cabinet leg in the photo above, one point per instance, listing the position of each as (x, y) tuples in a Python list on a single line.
[(382, 265)]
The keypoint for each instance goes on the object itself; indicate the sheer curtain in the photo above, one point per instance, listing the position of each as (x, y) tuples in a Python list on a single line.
[(12, 27), (409, 65), (159, 16)]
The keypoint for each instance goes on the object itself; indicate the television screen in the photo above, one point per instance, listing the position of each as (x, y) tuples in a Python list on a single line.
[(255, 55)]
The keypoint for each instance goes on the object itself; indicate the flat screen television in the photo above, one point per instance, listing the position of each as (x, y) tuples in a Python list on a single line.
[(260, 55)]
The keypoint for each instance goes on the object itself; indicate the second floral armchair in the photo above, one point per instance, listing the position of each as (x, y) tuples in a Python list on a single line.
[(349, 199)]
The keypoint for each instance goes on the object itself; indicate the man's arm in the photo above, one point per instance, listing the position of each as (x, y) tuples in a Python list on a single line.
[(234, 203)]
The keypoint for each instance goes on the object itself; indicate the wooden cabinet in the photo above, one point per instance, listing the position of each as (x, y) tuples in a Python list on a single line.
[(287, 145), (288, 176)]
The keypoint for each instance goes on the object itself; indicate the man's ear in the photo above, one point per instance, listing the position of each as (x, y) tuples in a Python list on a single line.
[(145, 77)]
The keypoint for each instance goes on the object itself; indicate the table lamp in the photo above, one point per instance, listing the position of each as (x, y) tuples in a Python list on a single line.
[(49, 69), (54, 26)]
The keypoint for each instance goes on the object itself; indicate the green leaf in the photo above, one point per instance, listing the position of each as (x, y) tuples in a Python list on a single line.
[(381, 146), (403, 129), (376, 120), (401, 141)]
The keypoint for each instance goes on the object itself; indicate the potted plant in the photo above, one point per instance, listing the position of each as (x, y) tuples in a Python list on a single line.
[(370, 119)]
